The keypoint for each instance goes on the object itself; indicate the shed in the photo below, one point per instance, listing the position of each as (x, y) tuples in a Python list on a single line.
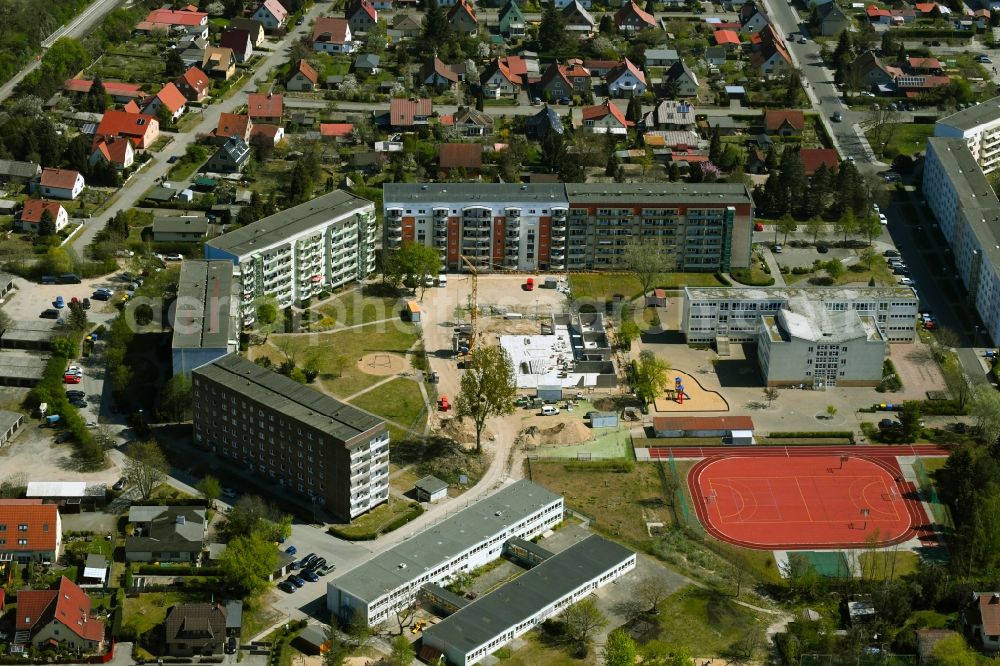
[(658, 299), (186, 195), (603, 419), (549, 392), (736, 92), (412, 311), (701, 426), (95, 569), (741, 438), (430, 489), (10, 424), (312, 641), (7, 206), (234, 617)]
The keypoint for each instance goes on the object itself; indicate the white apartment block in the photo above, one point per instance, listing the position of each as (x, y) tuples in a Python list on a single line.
[(968, 212), (735, 313), (979, 127), (465, 541), (295, 254)]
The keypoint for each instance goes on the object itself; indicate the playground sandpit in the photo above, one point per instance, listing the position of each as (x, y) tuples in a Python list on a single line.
[(562, 434), (698, 399), (383, 364)]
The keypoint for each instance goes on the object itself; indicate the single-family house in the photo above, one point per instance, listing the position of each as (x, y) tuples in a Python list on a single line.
[(468, 157), (38, 530), (716, 55), (142, 129), (115, 150), (196, 629), (231, 156), (877, 15), (626, 80), (437, 74), (233, 124), (545, 121), (255, 28), (60, 183), (604, 118), (511, 21), (563, 81), (367, 64), (727, 39), (19, 173), (577, 19), (60, 617), (924, 66), (179, 228), (771, 57), (408, 114), (752, 19), (271, 14), (337, 131), (915, 85), (497, 80), (406, 26), (266, 134), (872, 72), (303, 79), (239, 41), (832, 19), (332, 35), (165, 534), (814, 158), (562, 4), (981, 620), (469, 121), (170, 98), (683, 79), (30, 217), (362, 16), (784, 122), (658, 57), (462, 19), (219, 62), (192, 50), (670, 114), (265, 107), (633, 18), (194, 84), (166, 20)]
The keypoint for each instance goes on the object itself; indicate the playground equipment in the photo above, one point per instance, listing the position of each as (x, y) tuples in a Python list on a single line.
[(677, 394)]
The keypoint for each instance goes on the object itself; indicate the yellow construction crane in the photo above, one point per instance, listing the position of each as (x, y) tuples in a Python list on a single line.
[(473, 301)]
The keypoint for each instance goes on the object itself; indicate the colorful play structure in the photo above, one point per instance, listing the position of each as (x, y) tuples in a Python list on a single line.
[(677, 394)]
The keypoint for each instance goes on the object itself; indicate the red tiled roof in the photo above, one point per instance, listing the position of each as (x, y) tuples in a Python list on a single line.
[(601, 110), (462, 6), (723, 37), (689, 423), (923, 63), (62, 178), (175, 17), (114, 149), (260, 105), (365, 6), (33, 209), (68, 604), (773, 120), (465, 155), (116, 88), (435, 66), (264, 130), (813, 158), (131, 107), (196, 79), (42, 521), (516, 65), (330, 30), (988, 606), (636, 10), (403, 111), (232, 124), (171, 97), (925, 7), (874, 12), (336, 129), (123, 123), (306, 70), (277, 10), (626, 66)]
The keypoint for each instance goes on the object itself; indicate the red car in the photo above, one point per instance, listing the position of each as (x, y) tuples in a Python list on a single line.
[(71, 379), (443, 404), (758, 227)]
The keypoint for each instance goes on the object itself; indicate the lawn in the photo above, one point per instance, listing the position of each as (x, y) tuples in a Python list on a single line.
[(376, 520), (398, 400), (706, 622), (147, 611), (133, 62), (534, 652), (602, 286), (354, 308), (907, 139), (888, 564)]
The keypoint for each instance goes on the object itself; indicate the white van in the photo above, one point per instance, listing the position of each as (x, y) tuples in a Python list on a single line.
[(442, 280), (549, 410)]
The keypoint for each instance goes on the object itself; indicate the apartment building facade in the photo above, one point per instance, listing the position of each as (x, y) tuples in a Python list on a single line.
[(968, 213), (979, 127), (735, 313), (327, 451), (703, 227), (462, 542), (297, 253)]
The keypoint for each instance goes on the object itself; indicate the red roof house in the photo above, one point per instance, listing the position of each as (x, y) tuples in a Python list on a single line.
[(633, 18), (234, 124), (336, 130), (164, 19), (728, 38), (303, 79), (784, 122), (42, 528), (267, 108), (169, 97), (982, 619), (194, 84), (409, 113), (271, 14), (141, 128), (31, 215), (119, 92), (605, 118), (468, 156), (116, 151), (332, 35), (45, 613), (61, 183), (813, 158)]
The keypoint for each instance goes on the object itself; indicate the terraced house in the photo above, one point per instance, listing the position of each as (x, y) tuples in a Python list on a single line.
[(316, 246)]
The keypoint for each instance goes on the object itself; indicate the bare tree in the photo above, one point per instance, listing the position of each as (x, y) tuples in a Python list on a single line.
[(404, 617), (145, 467), (582, 619), (882, 122), (647, 262), (288, 346), (651, 592), (770, 394)]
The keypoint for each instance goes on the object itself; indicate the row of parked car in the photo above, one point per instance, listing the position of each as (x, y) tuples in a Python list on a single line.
[(310, 567)]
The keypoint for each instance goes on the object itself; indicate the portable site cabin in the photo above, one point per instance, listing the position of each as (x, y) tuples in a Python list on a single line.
[(603, 420)]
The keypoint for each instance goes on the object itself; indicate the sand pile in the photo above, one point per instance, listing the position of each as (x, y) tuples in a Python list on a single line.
[(462, 430), (561, 434)]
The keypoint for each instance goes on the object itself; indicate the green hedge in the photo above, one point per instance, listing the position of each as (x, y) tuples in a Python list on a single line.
[(745, 276), (178, 570), (828, 434), (415, 511)]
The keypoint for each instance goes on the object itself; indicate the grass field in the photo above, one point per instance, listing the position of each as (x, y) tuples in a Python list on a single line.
[(706, 622), (148, 610), (398, 400), (353, 308), (607, 443), (602, 286), (883, 564), (906, 139), (375, 520), (133, 62)]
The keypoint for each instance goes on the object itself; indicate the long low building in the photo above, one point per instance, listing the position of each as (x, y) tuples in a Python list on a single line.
[(297, 253), (577, 226), (733, 314), (206, 315), (474, 631), (469, 539)]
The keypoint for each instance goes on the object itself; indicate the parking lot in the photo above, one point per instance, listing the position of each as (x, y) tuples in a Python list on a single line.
[(29, 299)]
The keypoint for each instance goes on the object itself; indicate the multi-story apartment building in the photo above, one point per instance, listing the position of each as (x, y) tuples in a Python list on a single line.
[(313, 247), (979, 127), (462, 542), (735, 313), (968, 213), (703, 227), (206, 314), (326, 450)]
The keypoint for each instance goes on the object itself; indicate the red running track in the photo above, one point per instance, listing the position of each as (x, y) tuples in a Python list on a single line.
[(699, 452), (805, 501)]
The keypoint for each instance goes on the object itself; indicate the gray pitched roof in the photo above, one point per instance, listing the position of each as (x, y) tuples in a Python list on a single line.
[(430, 485), (205, 298), (13, 168), (174, 528), (196, 621)]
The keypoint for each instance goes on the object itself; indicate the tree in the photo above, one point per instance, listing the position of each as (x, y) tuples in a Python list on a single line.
[(628, 331), (402, 651), (47, 225), (651, 376), (651, 592), (581, 620), (985, 406), (815, 227), (835, 268), (210, 489), (435, 28), (909, 419), (634, 110), (249, 560), (785, 225), (552, 31), (77, 316), (869, 226), (143, 314), (831, 411), (646, 262), (145, 467), (882, 123), (660, 653), (770, 394), (487, 388), (174, 65), (253, 514), (847, 224), (175, 401), (267, 315), (869, 256), (619, 650), (416, 261)]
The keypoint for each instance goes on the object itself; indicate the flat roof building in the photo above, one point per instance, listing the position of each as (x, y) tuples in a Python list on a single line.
[(464, 541), (206, 314), (979, 127), (21, 368), (494, 620), (27, 334), (179, 228), (10, 425), (325, 450), (294, 254)]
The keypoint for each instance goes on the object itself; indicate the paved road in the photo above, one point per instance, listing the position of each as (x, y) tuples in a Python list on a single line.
[(80, 26)]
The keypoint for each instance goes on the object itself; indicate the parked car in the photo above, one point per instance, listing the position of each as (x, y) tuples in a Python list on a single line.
[(776, 248), (70, 278), (905, 281), (174, 257), (822, 248), (50, 313), (883, 219), (758, 227), (71, 379), (64, 437), (317, 563), (79, 403), (326, 569), (837, 116), (85, 304), (286, 587), (291, 550), (231, 645), (59, 302), (802, 39), (889, 424), (307, 560), (310, 576), (228, 492), (890, 253), (73, 393), (119, 485), (296, 581)]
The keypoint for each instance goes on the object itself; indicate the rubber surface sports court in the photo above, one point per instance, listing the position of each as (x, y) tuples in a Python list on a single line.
[(804, 501)]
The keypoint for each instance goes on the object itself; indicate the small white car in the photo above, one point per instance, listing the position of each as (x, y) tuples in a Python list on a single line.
[(906, 282), (882, 218)]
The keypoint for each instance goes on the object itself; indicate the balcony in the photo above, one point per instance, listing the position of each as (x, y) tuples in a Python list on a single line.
[(513, 214), (559, 237), (396, 234), (440, 213), (557, 265), (441, 242), (558, 214), (394, 214), (477, 214)]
